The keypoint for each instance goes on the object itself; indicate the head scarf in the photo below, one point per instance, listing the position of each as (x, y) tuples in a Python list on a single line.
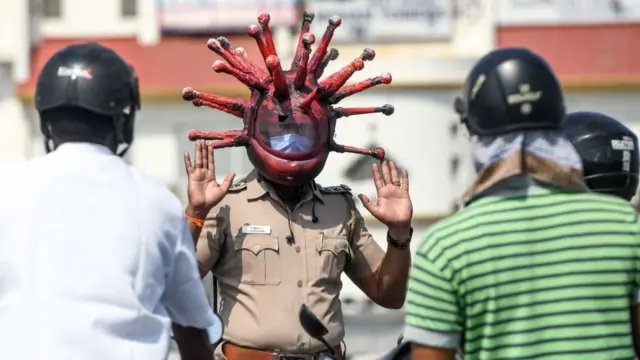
[(545, 156)]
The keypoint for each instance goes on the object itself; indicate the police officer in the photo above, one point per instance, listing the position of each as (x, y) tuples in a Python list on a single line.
[(277, 240), (609, 152), (96, 259), (270, 257)]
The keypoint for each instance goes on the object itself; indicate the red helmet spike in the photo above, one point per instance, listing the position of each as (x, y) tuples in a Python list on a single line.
[(307, 19), (301, 72), (216, 46), (235, 59), (335, 81), (231, 106), (254, 32), (332, 55), (321, 51), (242, 52), (214, 135), (305, 104), (279, 81), (249, 80), (264, 20), (344, 112), (222, 140), (224, 42), (359, 87), (368, 54), (289, 121), (377, 153)]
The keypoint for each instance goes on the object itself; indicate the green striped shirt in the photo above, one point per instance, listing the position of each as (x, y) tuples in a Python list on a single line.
[(529, 273)]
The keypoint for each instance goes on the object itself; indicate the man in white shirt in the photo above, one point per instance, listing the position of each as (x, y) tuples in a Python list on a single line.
[(96, 259)]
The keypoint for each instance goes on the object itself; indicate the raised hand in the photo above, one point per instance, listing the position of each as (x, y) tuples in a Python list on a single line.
[(203, 190), (393, 205)]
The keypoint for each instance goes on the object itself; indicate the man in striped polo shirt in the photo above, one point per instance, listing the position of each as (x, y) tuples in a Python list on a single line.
[(534, 266)]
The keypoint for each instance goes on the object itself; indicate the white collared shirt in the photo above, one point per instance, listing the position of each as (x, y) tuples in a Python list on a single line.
[(96, 260)]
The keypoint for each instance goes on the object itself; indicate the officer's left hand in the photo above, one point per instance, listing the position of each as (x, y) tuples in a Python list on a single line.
[(393, 206)]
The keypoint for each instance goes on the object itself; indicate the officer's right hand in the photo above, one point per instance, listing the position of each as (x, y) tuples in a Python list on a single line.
[(203, 189)]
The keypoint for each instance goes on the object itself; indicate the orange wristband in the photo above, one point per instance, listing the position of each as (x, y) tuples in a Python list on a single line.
[(197, 222)]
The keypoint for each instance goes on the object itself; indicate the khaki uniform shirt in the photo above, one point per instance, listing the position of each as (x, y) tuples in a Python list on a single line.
[(267, 272)]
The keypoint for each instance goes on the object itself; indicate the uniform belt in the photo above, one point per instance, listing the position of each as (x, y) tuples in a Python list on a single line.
[(235, 352)]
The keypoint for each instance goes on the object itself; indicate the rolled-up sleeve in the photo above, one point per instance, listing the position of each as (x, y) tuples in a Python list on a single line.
[(185, 298), (212, 238), (433, 315)]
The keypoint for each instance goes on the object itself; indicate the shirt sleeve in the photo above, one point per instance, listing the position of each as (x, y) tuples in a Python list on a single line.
[(433, 315), (367, 254), (185, 298), (212, 237)]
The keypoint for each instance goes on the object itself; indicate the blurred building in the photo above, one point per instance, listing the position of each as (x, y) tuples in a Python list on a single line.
[(427, 45)]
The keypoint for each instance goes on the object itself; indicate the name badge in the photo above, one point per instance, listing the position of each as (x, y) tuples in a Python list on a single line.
[(255, 229)]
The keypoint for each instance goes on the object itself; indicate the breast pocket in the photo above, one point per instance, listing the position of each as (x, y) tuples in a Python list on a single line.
[(333, 254), (260, 260)]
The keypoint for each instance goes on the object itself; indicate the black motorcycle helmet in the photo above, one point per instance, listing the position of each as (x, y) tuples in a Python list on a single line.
[(510, 89), (609, 152), (94, 78)]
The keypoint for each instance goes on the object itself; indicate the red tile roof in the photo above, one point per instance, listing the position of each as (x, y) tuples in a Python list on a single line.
[(164, 69), (592, 54)]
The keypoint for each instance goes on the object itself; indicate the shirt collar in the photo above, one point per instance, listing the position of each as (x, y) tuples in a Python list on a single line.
[(257, 187), (84, 147)]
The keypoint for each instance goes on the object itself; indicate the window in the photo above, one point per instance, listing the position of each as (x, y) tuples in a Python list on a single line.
[(128, 8), (51, 9)]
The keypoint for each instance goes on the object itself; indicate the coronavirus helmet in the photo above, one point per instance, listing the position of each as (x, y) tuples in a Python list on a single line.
[(289, 120)]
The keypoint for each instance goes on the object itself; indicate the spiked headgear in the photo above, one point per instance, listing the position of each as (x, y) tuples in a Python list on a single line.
[(289, 120)]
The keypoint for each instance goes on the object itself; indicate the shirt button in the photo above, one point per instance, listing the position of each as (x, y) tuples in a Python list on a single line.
[(256, 248), (299, 283), (297, 249), (302, 346)]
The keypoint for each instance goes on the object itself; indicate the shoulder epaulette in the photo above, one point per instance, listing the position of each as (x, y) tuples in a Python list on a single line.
[(239, 186), (340, 189)]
